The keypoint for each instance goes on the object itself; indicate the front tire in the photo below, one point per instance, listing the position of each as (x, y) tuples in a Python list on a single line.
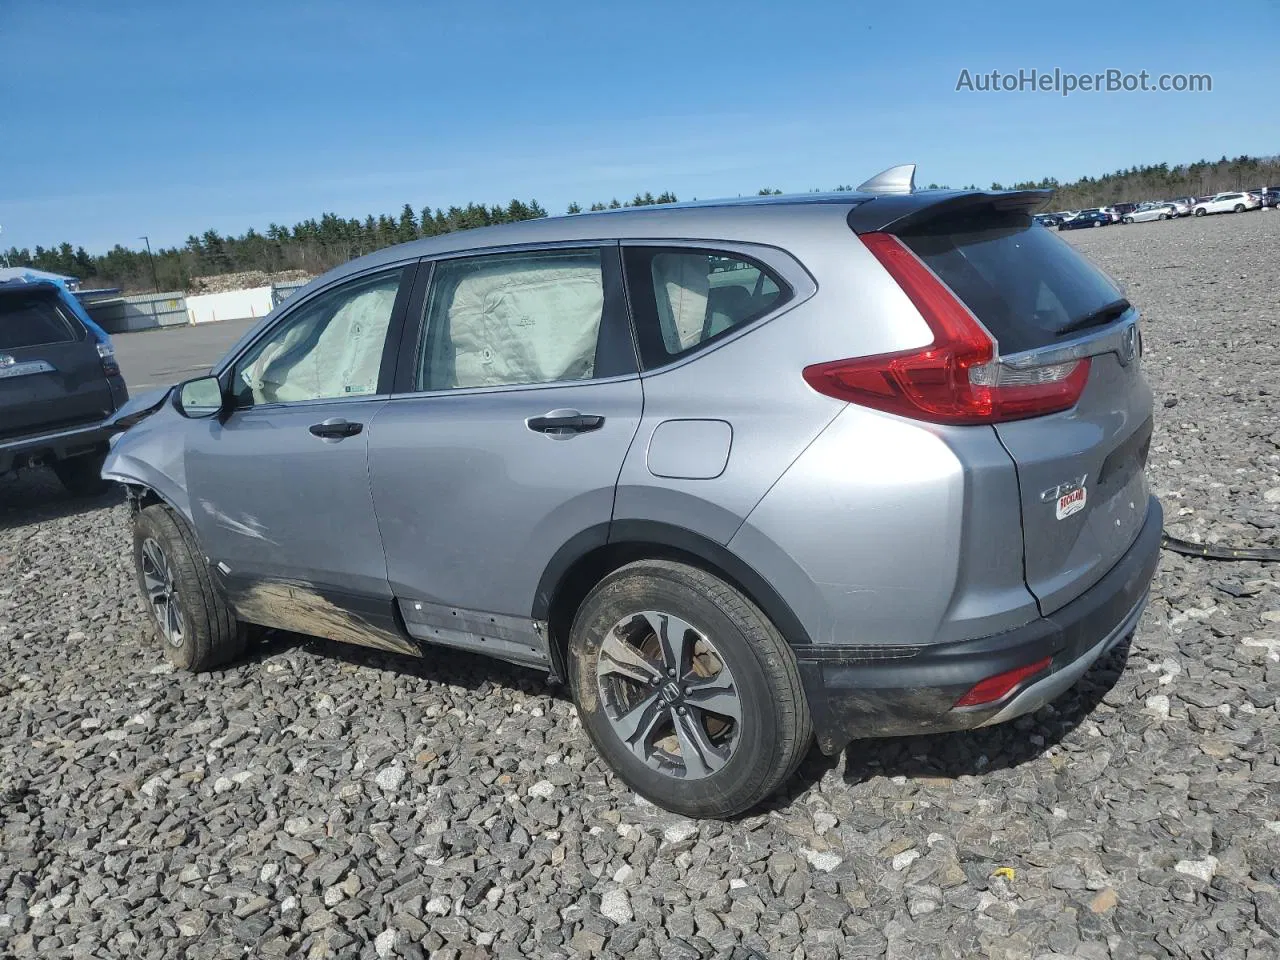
[(1126, 220), (1200, 212), (194, 625), (687, 689), (82, 476)]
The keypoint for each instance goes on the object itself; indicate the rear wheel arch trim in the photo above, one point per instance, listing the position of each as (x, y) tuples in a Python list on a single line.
[(664, 540)]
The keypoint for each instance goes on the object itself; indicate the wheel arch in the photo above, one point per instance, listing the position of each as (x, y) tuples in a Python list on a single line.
[(142, 495), (593, 554)]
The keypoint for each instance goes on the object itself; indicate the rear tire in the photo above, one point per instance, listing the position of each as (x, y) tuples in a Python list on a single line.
[(1238, 208), (711, 736), (194, 625), (1126, 219), (82, 475)]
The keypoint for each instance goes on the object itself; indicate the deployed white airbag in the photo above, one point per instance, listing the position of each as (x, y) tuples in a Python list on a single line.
[(344, 359), (681, 284), (527, 320)]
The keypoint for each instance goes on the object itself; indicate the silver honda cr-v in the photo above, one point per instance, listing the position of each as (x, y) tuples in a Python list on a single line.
[(853, 465)]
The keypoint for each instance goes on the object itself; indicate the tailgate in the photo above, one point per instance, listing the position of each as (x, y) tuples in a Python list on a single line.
[(1081, 479), (51, 376), (1082, 491)]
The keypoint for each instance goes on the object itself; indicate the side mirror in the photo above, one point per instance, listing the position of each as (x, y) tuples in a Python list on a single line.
[(200, 398)]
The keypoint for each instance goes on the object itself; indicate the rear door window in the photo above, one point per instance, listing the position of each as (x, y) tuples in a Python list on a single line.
[(683, 298), (32, 319), (1028, 287), (506, 320)]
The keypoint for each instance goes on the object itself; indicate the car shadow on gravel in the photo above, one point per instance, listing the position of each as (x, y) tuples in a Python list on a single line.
[(441, 665), (949, 756), (943, 756), (36, 496)]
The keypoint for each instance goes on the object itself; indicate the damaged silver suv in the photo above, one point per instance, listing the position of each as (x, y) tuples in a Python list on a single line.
[(851, 465)]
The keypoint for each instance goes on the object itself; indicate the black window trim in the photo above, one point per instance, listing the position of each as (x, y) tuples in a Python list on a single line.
[(615, 328), (225, 371), (792, 278)]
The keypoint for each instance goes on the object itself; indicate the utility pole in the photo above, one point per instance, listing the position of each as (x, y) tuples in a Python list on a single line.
[(6, 259), (154, 279)]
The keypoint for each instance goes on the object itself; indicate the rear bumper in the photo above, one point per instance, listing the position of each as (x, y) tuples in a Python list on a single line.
[(907, 690), (58, 445)]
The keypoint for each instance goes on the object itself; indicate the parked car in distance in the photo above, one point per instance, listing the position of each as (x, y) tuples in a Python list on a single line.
[(1180, 207), (1121, 210), (1048, 219), (1228, 203), (59, 381), (1087, 218), (669, 470), (1151, 211), (1271, 198)]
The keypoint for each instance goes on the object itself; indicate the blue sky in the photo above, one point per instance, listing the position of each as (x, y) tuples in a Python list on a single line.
[(166, 118)]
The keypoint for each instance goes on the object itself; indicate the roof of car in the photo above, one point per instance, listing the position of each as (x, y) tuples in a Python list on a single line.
[(735, 220), (31, 274), (28, 286), (741, 219)]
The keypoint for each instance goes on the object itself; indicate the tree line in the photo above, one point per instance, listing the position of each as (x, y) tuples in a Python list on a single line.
[(315, 245), (1158, 182)]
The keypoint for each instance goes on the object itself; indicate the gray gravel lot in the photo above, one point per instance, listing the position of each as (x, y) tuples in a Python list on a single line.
[(322, 801)]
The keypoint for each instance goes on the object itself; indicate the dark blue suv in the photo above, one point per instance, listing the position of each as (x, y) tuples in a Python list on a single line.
[(1086, 218), (59, 381)]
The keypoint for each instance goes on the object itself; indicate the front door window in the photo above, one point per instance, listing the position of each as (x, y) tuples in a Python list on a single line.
[(327, 349)]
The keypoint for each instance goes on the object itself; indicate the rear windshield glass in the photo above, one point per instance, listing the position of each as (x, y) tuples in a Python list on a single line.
[(30, 319), (1027, 286)]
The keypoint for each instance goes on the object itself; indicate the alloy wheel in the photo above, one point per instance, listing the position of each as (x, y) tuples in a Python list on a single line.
[(162, 592), (669, 695)]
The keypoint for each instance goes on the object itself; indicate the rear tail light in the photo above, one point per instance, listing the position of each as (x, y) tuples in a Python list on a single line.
[(957, 379), (108, 357), (994, 688)]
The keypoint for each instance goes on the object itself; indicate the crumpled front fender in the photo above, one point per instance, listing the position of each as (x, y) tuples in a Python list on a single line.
[(151, 454), (136, 409)]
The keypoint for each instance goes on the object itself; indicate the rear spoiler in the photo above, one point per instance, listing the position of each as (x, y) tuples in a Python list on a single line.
[(893, 213)]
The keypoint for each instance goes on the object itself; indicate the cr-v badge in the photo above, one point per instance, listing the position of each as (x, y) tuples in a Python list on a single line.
[(1068, 498)]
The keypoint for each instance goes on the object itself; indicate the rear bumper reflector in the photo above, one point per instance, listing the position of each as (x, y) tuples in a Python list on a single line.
[(855, 692), (995, 688)]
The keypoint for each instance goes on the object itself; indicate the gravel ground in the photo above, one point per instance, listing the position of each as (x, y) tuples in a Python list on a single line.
[(323, 801)]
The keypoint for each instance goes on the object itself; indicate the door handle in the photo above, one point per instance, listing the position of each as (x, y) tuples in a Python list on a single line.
[(562, 422), (335, 428)]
